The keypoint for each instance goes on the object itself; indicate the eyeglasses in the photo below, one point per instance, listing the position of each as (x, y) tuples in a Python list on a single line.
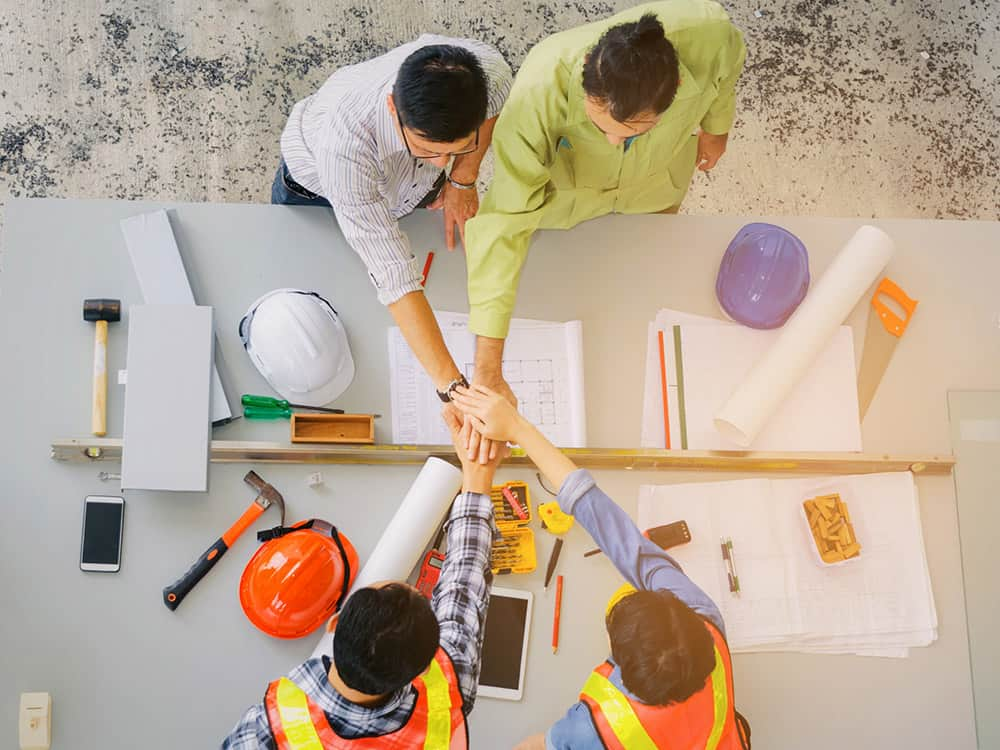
[(431, 154)]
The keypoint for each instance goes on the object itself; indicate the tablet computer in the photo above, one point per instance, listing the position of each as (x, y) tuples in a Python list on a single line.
[(505, 644)]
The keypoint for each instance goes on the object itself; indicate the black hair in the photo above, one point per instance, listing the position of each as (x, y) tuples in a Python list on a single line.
[(632, 69), (440, 92), (662, 646), (385, 637)]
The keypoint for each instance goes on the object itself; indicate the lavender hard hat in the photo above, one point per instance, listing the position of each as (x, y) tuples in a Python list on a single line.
[(763, 277)]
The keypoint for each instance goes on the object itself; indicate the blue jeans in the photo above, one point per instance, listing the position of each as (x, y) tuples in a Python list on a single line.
[(286, 191)]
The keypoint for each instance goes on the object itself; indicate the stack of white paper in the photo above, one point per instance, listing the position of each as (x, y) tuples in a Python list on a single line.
[(706, 360), (542, 364), (879, 604)]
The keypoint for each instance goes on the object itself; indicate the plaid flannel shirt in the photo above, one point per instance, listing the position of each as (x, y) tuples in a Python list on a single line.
[(460, 600)]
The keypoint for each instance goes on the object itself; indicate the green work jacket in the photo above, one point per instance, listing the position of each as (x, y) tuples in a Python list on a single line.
[(554, 168)]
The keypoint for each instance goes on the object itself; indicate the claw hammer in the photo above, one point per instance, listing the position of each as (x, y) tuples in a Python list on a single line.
[(267, 496)]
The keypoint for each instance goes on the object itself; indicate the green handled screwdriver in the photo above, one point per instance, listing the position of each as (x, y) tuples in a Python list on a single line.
[(266, 412), (266, 402)]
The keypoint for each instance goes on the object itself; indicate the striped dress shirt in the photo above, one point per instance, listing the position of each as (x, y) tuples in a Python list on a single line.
[(342, 143)]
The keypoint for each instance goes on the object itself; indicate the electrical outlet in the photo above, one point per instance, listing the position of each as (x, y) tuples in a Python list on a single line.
[(34, 723)]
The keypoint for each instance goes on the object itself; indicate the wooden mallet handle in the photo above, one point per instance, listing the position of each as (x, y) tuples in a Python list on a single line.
[(99, 406)]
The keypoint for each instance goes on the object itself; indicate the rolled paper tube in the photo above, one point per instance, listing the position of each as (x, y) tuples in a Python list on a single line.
[(804, 336), (409, 532)]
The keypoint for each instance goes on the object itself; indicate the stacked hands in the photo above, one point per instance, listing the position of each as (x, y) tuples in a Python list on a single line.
[(489, 414), (478, 446), (481, 422)]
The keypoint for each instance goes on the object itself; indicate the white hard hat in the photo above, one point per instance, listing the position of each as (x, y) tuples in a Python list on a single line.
[(298, 343)]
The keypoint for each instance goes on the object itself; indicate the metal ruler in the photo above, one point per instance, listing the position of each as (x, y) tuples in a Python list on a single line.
[(93, 449)]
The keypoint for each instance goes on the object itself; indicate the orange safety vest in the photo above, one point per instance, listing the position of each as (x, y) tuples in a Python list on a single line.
[(437, 721), (705, 720)]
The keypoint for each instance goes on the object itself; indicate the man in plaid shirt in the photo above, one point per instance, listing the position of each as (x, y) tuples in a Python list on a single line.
[(387, 636)]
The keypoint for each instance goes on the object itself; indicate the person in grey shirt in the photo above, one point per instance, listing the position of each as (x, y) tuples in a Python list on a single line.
[(668, 681), (373, 143)]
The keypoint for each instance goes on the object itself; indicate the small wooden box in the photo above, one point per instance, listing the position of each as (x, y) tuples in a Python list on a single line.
[(333, 428)]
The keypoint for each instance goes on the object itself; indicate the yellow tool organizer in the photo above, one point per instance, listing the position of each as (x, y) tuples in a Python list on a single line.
[(514, 551)]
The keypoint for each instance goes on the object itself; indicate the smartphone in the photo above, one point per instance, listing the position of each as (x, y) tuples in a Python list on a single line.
[(101, 545), (666, 536), (670, 535)]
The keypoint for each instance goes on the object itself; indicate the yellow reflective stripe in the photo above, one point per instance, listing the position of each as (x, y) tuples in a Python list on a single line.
[(720, 692), (293, 709), (438, 708), (619, 713)]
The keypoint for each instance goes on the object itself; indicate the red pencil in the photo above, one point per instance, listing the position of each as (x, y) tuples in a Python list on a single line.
[(427, 268), (663, 390), (555, 620)]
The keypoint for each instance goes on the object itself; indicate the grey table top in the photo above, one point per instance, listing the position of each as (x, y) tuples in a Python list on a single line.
[(120, 666)]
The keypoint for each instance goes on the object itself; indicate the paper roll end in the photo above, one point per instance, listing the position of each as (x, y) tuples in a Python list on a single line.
[(876, 238), (443, 465), (732, 433)]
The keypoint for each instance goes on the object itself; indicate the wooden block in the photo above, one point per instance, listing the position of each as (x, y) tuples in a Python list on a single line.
[(333, 428)]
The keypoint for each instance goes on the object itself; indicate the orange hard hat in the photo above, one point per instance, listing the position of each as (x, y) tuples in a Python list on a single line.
[(298, 578)]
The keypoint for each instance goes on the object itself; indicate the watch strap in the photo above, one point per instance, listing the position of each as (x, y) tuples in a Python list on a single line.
[(445, 395)]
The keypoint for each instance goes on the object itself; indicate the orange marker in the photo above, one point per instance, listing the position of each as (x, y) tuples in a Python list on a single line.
[(555, 620), (663, 390), (427, 268)]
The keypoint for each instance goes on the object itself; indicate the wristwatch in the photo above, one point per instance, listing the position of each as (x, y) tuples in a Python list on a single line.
[(445, 395)]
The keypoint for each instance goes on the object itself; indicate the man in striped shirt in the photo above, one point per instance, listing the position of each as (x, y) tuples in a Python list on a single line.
[(373, 143)]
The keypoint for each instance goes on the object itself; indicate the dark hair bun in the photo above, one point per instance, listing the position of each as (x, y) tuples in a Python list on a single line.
[(648, 31), (633, 69)]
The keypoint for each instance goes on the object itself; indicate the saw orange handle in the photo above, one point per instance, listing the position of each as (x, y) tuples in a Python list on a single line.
[(890, 320)]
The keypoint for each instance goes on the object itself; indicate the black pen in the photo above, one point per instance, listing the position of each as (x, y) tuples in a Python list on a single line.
[(734, 581), (553, 559)]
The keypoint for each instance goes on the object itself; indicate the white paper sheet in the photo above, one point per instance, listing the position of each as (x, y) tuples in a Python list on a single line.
[(163, 280), (818, 413), (543, 364), (165, 438), (879, 605), (417, 520), (652, 434), (761, 393), (716, 355)]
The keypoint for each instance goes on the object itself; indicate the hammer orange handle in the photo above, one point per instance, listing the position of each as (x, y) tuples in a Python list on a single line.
[(250, 515), (174, 594)]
